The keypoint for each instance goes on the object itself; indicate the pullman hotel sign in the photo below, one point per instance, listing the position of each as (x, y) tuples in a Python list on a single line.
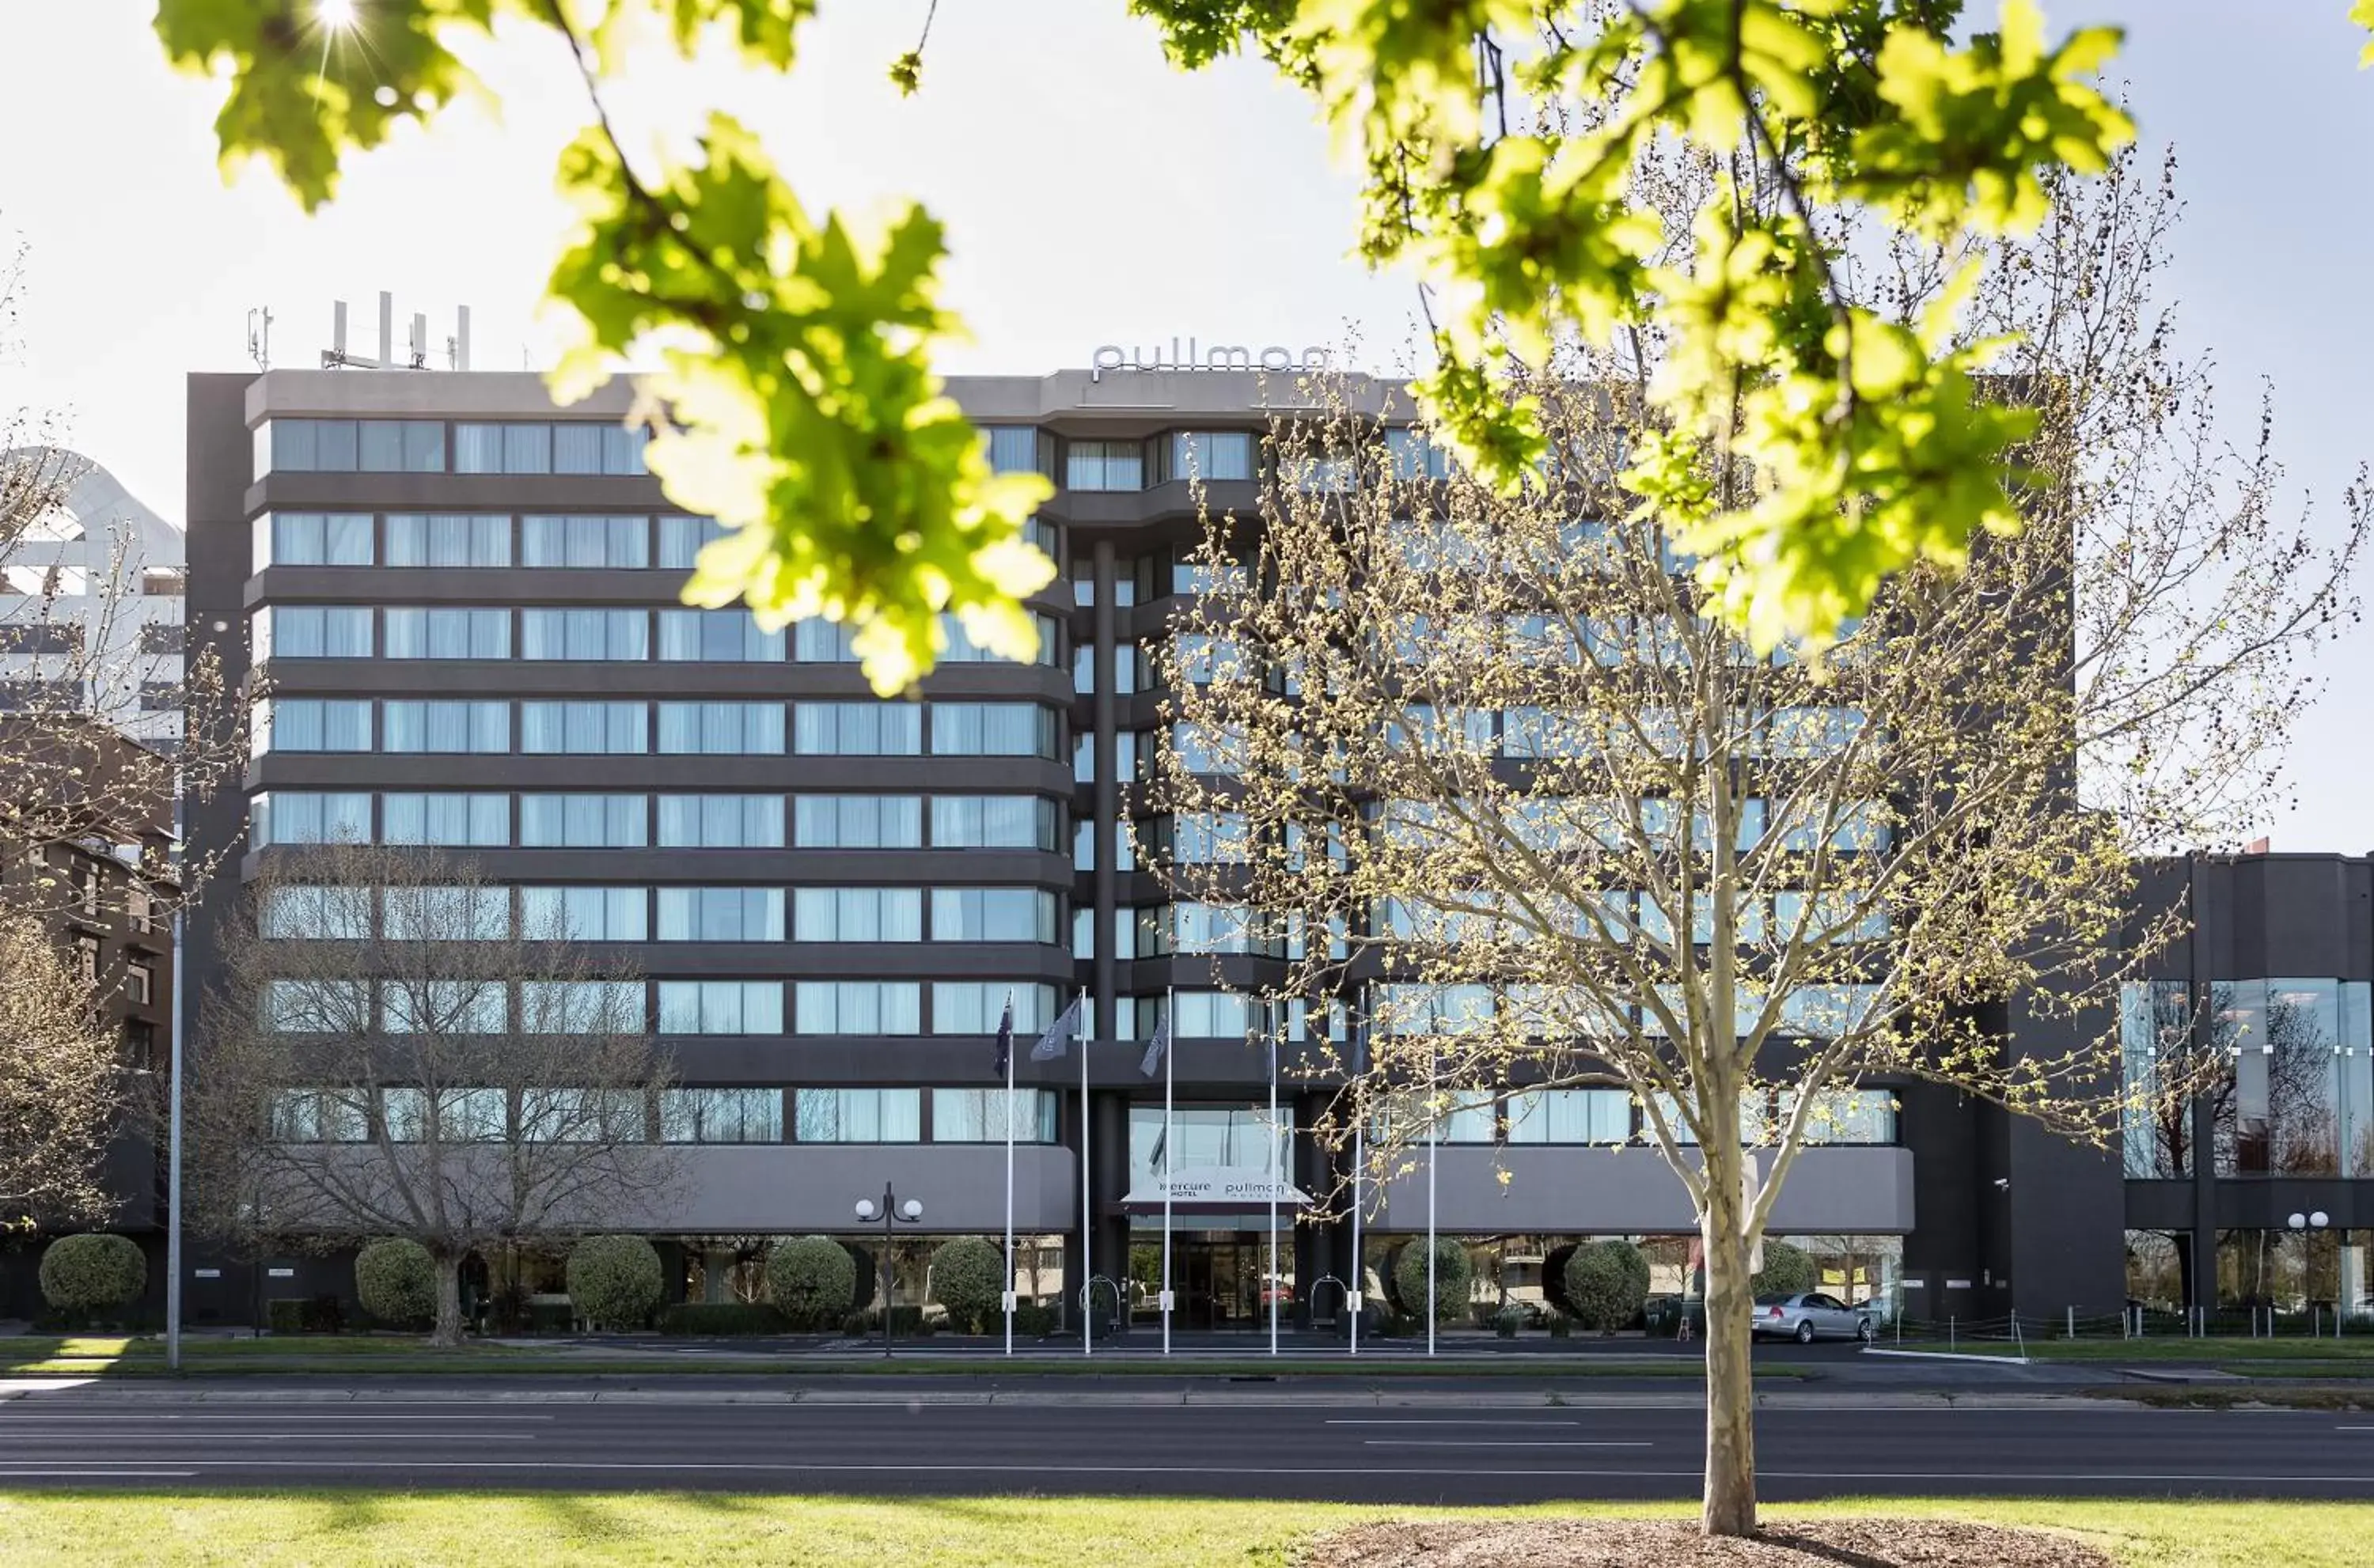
[(1220, 1186), (1195, 357)]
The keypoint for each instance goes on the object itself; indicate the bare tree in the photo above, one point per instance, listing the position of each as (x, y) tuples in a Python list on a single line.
[(60, 1082), (402, 1047), (1493, 754)]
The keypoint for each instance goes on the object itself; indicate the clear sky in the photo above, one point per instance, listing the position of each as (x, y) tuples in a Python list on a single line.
[(1091, 195)]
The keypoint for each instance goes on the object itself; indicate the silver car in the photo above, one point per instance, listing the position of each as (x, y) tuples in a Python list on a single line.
[(1810, 1316)]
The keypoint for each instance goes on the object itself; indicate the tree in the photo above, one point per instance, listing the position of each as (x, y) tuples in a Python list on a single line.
[(395, 1050), (1492, 775), (61, 1080), (1607, 1281), (1495, 140), (968, 1279)]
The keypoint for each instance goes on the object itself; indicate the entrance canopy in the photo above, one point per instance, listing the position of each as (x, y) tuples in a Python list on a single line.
[(1216, 1189)]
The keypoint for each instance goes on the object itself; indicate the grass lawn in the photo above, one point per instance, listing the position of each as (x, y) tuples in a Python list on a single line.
[(2349, 1350), (101, 1357), (354, 1529)]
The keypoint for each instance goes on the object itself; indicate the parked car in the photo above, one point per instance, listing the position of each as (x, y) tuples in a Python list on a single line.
[(1809, 1317)]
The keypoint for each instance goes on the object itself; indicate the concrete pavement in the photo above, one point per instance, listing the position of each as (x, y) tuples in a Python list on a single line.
[(1386, 1444)]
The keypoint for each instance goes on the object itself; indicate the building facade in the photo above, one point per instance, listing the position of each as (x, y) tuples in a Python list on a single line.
[(465, 601)]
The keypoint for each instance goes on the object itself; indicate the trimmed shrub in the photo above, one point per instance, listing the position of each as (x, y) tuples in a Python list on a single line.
[(614, 1282), (968, 1279), (1554, 1277), (1032, 1321), (396, 1281), (1788, 1271), (285, 1314), (721, 1317), (1452, 1277), (93, 1272), (1608, 1283), (813, 1280)]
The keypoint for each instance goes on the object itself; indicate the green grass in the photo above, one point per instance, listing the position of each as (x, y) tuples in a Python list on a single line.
[(95, 1357), (359, 1529), (2354, 1348)]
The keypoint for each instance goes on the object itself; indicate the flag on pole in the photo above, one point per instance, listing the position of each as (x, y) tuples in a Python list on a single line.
[(1006, 1036), (1058, 1037), (1156, 1046)]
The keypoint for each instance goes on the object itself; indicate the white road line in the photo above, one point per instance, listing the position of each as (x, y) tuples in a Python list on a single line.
[(6, 1474), (1493, 1443), (1424, 1420), (137, 1418)]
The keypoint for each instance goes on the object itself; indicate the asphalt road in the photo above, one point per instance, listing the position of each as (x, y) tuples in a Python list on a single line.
[(1290, 1444)]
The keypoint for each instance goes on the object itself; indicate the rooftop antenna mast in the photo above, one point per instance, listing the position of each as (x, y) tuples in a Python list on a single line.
[(415, 358), (259, 336)]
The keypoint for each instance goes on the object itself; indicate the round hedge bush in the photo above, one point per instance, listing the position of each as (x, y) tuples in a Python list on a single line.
[(813, 1280), (614, 1282), (1788, 1271), (93, 1272), (1554, 1277), (1452, 1277), (1608, 1282), (396, 1281), (968, 1279)]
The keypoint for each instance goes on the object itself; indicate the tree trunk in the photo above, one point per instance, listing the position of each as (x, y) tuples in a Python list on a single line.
[(449, 1300), (1730, 1503)]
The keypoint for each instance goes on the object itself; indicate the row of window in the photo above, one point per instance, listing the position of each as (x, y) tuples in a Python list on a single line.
[(356, 1007), (1613, 1116), (710, 636), (423, 445), (2286, 1067), (483, 727), (672, 1116), (599, 539), (683, 914), (465, 819), (1107, 464)]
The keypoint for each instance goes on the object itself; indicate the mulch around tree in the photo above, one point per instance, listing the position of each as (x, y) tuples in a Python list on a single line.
[(1625, 1543)]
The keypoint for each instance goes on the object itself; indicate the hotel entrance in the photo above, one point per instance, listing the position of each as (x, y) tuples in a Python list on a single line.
[(1221, 1280)]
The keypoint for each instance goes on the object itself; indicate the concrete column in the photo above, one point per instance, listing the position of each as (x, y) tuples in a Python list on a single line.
[(1108, 1114), (1106, 793), (1322, 1243), (2202, 1273)]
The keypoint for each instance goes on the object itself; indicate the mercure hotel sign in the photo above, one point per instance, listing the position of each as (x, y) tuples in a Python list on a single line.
[(1194, 356)]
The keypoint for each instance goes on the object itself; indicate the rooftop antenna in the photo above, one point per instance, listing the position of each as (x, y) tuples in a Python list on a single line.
[(259, 336), (457, 347)]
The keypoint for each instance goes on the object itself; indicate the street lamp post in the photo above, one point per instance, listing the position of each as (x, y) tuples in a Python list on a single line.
[(892, 1213), (2301, 1224)]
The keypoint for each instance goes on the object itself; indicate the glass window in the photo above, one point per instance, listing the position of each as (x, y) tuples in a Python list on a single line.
[(720, 914), (858, 1007), (584, 914), (429, 913), (1104, 465), (301, 816), (2156, 1117), (446, 820), (446, 727), (585, 822), (858, 1115), (311, 724), (448, 633), (443, 1007), (960, 649), (721, 729), (2280, 1110), (682, 539), (313, 539), (720, 1007), (993, 914), (527, 449), (449, 540), (1845, 1116), (1410, 455), (318, 914), (857, 913), (317, 1007), (993, 729), (572, 541), (1570, 1115), (992, 822), (981, 1116), (718, 636), (824, 642), (1012, 448), (585, 634), (1210, 454), (973, 1007), (859, 822), (313, 631), (581, 1007), (584, 728), (721, 821), (858, 728), (721, 1115), (400, 446)]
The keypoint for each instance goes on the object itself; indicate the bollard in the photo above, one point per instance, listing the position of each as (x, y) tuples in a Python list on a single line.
[(2073, 1322), (1953, 1341)]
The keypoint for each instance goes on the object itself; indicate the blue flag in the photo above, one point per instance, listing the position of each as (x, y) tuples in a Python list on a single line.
[(1006, 1036), (1155, 1047), (1058, 1037)]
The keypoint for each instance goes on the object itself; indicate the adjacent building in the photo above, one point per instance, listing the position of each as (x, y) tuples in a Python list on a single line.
[(466, 603)]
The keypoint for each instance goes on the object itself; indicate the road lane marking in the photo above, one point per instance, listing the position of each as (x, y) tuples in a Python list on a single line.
[(37, 1417), (10, 1474), (1493, 1442), (1425, 1421)]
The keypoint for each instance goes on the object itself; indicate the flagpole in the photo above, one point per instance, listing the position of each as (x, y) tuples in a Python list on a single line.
[(1009, 1182), (1433, 1147), (1088, 1275), (1276, 1161), (1359, 1161), (1170, 1075)]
